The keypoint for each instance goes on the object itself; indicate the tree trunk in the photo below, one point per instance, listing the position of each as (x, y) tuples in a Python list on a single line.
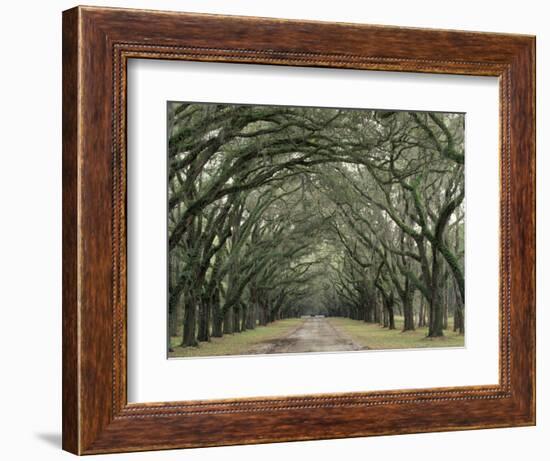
[(408, 312), (252, 308), (422, 313), (391, 320), (369, 308), (228, 321), (237, 319), (459, 320), (174, 304), (435, 328), (190, 320), (251, 316), (376, 309), (244, 317), (445, 301), (389, 301), (459, 314), (217, 322), (244, 313), (263, 313), (174, 319), (204, 320), (217, 315), (385, 322)]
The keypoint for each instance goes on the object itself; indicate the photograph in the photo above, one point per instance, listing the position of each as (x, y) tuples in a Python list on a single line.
[(265, 231), (313, 229)]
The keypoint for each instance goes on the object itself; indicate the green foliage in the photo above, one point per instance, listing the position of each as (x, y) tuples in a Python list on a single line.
[(277, 211)]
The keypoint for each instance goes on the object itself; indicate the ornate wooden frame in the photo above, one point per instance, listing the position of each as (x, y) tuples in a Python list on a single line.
[(97, 43)]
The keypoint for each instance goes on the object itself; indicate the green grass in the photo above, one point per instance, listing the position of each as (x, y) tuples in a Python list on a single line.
[(235, 344), (373, 336)]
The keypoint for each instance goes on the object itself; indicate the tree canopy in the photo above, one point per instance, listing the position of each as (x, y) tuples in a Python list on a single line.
[(276, 212)]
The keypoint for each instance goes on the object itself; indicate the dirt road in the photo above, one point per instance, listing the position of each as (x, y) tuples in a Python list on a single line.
[(314, 334)]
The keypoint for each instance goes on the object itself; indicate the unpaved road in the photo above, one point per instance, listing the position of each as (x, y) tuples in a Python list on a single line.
[(314, 334)]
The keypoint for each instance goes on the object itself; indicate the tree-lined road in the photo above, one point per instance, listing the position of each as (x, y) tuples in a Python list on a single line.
[(314, 334), (275, 212)]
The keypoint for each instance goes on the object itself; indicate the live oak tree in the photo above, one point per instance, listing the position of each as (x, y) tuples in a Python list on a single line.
[(276, 212)]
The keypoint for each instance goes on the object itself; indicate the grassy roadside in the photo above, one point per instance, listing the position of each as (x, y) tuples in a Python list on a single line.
[(235, 344), (374, 336)]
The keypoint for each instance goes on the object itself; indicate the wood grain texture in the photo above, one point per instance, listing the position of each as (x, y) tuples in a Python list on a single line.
[(70, 383), (97, 42)]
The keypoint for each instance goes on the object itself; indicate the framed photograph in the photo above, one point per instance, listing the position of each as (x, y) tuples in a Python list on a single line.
[(282, 230)]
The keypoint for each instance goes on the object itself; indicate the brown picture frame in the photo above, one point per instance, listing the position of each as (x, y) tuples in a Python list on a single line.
[(97, 43)]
